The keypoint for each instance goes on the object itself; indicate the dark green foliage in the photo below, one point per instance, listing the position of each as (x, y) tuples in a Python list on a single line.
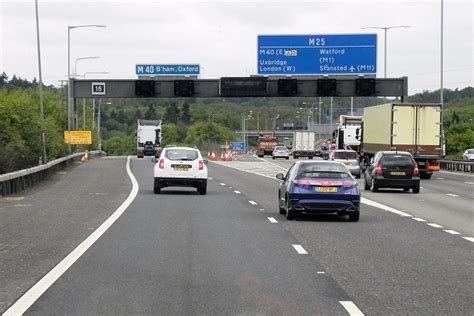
[(172, 114)]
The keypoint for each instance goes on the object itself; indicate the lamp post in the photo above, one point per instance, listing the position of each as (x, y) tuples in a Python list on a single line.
[(69, 97), (82, 58), (385, 28), (83, 99), (93, 99)]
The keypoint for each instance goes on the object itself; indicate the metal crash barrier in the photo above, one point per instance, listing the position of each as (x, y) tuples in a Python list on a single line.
[(17, 181), (455, 165)]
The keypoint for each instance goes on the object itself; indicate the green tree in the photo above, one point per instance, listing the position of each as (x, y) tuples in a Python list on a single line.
[(169, 134), (185, 114), (172, 114), (203, 133)]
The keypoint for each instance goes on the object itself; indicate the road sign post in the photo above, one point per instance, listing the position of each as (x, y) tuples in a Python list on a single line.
[(352, 54)]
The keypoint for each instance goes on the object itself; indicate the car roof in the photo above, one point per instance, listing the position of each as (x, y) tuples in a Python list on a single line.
[(174, 148), (344, 150), (396, 153), (300, 162)]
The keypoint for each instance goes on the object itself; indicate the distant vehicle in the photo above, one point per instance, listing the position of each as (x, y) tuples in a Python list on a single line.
[(288, 126), (304, 145), (346, 133), (287, 142), (266, 143), (148, 138), (468, 155), (180, 166), (412, 127), (349, 158), (318, 187), (392, 169), (281, 152), (324, 152)]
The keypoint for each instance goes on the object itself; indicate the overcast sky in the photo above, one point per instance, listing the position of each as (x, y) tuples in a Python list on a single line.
[(221, 36)]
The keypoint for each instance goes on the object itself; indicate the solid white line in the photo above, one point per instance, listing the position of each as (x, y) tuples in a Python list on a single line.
[(419, 219), (24, 302), (222, 183), (253, 203), (471, 239), (237, 192), (271, 163), (351, 308), (452, 232), (434, 225), (440, 178), (450, 194), (300, 250), (272, 220), (383, 207)]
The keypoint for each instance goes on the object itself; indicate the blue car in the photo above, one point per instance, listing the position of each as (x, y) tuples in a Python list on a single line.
[(318, 187)]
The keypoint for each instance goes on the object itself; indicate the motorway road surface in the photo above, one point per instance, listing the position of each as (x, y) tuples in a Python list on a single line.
[(230, 252)]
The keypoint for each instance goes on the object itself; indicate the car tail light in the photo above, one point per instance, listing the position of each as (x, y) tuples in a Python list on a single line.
[(378, 169), (201, 165), (416, 172), (161, 164), (349, 183)]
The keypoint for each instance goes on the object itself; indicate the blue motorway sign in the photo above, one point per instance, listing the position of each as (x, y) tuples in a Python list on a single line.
[(167, 70), (237, 146), (317, 54)]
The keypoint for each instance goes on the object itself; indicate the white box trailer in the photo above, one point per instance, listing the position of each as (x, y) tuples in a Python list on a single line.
[(148, 138), (304, 144), (413, 127)]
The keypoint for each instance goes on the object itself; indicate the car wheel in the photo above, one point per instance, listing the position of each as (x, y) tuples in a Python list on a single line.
[(287, 158), (290, 214), (416, 189), (202, 190), (310, 157), (273, 158), (260, 156), (281, 209), (366, 185), (354, 217), (156, 187), (373, 187), (358, 176), (425, 176), (406, 189)]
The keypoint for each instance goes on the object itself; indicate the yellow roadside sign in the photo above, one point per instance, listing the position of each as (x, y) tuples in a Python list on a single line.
[(78, 137)]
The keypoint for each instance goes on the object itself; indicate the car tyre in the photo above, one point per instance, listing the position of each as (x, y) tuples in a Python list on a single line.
[(425, 176), (354, 217), (287, 158), (373, 187), (280, 208), (273, 158), (202, 190), (406, 189), (416, 189), (290, 214), (156, 187), (358, 176), (366, 185)]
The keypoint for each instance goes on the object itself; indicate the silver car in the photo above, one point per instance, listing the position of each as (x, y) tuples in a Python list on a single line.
[(281, 152), (468, 155), (349, 158)]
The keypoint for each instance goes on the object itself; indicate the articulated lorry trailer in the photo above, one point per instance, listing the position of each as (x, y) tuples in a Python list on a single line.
[(413, 127), (346, 133), (148, 138), (304, 145)]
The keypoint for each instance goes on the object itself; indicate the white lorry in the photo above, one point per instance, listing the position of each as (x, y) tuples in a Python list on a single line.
[(148, 138), (346, 133), (304, 145)]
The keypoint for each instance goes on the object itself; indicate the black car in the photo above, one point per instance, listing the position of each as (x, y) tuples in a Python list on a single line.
[(392, 169)]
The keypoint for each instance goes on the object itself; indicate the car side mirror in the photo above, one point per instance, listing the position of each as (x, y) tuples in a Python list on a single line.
[(280, 176), (206, 161)]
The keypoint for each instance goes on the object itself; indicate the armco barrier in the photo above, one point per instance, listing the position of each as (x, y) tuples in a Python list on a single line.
[(17, 181), (457, 165)]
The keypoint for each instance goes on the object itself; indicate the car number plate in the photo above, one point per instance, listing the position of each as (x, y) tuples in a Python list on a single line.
[(397, 173), (181, 169), (348, 164), (326, 189)]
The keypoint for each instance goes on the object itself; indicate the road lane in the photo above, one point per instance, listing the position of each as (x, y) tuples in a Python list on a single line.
[(187, 254), (388, 264)]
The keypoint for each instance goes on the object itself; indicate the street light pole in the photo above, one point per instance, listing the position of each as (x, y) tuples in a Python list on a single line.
[(70, 100), (43, 136), (441, 66), (385, 28)]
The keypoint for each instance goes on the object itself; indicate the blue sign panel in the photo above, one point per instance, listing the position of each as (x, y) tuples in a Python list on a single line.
[(317, 54), (167, 70), (237, 146)]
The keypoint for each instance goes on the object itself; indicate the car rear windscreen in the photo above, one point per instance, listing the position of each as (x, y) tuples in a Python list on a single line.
[(397, 161), (345, 155), (322, 170), (470, 151), (181, 154), (280, 148)]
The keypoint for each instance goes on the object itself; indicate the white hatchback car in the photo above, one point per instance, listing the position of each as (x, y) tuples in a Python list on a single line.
[(180, 166)]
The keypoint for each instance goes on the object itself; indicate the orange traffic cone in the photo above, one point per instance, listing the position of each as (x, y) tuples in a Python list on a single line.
[(85, 158)]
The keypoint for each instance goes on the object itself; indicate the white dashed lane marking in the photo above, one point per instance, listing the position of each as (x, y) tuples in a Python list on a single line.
[(450, 194), (321, 272), (471, 239), (351, 308), (419, 219), (300, 250), (237, 192), (222, 183), (469, 182), (434, 225), (262, 209), (272, 220), (452, 232), (209, 178), (253, 203)]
